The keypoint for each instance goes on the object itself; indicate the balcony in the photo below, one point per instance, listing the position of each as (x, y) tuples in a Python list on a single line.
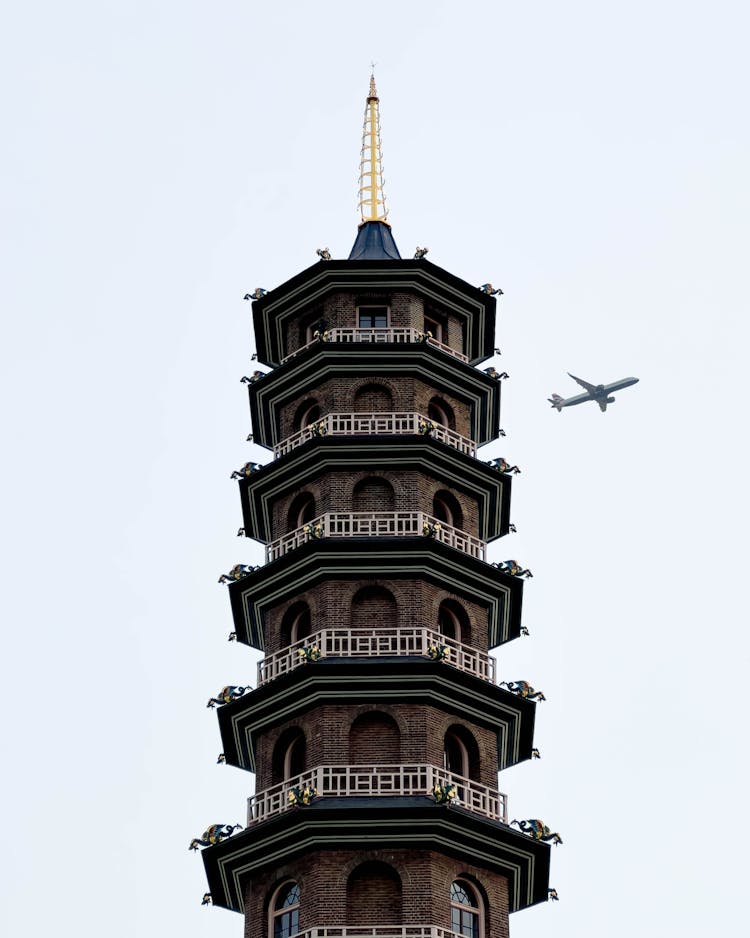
[(397, 336), (377, 931), (378, 642), (375, 424), (377, 781), (376, 524)]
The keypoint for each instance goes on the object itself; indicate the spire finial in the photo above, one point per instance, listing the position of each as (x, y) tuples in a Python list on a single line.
[(371, 194)]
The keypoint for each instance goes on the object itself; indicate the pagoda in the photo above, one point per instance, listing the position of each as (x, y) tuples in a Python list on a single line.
[(377, 727)]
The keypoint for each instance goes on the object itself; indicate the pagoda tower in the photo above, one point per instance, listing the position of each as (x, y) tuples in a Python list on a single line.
[(377, 727)]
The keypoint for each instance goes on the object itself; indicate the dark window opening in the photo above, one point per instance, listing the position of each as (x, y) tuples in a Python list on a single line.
[(465, 911), (373, 317), (286, 911)]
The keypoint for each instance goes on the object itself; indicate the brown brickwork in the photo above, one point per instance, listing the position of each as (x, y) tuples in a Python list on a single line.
[(397, 394), (394, 886), (421, 732), (331, 883), (404, 309), (366, 491), (417, 603)]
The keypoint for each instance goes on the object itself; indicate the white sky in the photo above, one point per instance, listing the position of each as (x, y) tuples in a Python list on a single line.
[(161, 159)]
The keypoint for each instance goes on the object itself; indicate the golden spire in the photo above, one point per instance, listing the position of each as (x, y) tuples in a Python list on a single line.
[(371, 194)]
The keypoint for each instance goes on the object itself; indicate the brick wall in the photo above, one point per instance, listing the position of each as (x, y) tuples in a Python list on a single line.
[(406, 309), (410, 887), (415, 603), (340, 888), (397, 394), (421, 738), (404, 490)]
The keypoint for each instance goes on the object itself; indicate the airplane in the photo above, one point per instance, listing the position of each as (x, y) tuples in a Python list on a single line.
[(594, 392)]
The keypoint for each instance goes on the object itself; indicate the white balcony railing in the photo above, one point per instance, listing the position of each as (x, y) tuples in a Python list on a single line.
[(377, 931), (374, 424), (378, 524), (373, 781), (377, 642), (399, 336)]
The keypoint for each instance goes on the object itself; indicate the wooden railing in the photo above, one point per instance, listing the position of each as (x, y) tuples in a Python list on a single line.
[(377, 931), (374, 424), (373, 643), (373, 781), (397, 335), (376, 524)]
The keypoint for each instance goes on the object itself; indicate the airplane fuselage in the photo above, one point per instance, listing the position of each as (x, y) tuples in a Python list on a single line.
[(601, 393)]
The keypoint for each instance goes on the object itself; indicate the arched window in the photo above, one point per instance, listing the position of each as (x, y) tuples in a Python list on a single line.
[(453, 621), (375, 398), (374, 738), (289, 753), (466, 910), (447, 508), (461, 753), (373, 494), (456, 755), (307, 412), (284, 911), (373, 895), (295, 624), (300, 511), (373, 607), (441, 412)]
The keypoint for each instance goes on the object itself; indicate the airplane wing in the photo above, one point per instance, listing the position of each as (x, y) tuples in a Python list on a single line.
[(591, 388)]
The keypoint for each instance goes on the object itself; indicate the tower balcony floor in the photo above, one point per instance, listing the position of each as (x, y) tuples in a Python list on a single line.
[(377, 524), (276, 313), (324, 460), (389, 336), (302, 377), (376, 424), (373, 781), (378, 931), (366, 824), (396, 558), (356, 682), (372, 643)]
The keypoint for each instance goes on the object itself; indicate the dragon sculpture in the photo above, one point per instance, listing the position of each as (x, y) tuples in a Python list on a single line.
[(503, 465), (226, 695), (538, 830), (238, 572), (214, 835), (245, 471), (522, 689), (514, 568)]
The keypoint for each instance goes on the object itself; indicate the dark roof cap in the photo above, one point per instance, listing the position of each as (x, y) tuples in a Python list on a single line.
[(374, 242)]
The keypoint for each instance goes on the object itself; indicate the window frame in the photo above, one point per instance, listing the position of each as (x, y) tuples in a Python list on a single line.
[(276, 914), (361, 308), (434, 326), (476, 910), (463, 751)]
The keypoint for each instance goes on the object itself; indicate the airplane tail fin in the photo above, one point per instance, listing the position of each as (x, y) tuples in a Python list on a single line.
[(556, 402)]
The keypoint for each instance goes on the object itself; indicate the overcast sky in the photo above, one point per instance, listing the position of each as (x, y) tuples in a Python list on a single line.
[(160, 159)]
